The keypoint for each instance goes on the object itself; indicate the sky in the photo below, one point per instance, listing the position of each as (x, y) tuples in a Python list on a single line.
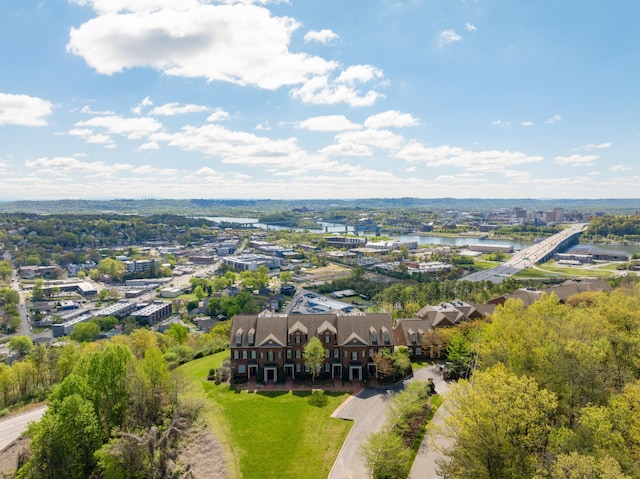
[(302, 99)]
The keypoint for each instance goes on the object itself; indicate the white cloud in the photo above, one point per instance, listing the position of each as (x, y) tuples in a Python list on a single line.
[(445, 155), (152, 145), (470, 27), (237, 147), (322, 36), (328, 123), (391, 118), (600, 146), (448, 36), (23, 110), (501, 123), (263, 126), (359, 74), (170, 109), (526, 123), (347, 149), (146, 101), (87, 109), (237, 43), (65, 165), (576, 160), (89, 135), (382, 139), (620, 168), (133, 128), (320, 91), (553, 119), (218, 115)]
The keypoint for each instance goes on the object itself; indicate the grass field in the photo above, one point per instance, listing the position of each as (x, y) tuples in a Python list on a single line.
[(278, 434)]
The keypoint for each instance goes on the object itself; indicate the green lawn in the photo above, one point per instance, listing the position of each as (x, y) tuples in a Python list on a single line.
[(278, 434)]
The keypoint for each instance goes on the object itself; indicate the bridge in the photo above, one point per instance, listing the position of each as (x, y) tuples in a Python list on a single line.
[(538, 253)]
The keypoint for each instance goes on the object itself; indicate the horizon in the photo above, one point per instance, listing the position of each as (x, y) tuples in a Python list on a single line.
[(288, 100)]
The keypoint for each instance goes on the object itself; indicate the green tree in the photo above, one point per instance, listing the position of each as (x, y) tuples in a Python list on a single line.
[(21, 345), (85, 332), (199, 293), (64, 441), (37, 293), (178, 332), (510, 414), (313, 355), (385, 456)]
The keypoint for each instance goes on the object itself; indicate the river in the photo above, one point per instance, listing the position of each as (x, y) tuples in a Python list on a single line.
[(421, 239)]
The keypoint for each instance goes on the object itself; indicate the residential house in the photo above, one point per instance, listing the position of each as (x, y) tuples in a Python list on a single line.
[(271, 347)]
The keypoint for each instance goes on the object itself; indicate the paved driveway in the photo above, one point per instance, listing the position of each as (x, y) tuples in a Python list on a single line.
[(368, 410)]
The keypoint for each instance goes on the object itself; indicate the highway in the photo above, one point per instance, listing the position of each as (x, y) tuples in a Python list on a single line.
[(526, 257)]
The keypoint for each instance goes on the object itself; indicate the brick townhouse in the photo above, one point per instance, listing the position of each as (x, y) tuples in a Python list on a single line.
[(272, 346)]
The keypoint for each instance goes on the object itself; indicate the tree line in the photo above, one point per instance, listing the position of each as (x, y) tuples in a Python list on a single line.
[(555, 394)]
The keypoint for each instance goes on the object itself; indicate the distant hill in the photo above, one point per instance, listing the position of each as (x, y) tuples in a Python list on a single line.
[(222, 207)]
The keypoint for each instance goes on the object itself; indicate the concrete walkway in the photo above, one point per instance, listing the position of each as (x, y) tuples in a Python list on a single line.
[(424, 465)]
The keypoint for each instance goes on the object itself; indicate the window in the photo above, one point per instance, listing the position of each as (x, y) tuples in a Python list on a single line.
[(288, 354), (419, 351), (298, 354), (298, 367), (374, 337), (346, 354), (253, 354), (371, 353), (364, 353), (239, 338), (336, 353), (354, 356), (413, 338), (242, 369), (261, 355), (251, 338), (298, 338), (236, 355), (326, 338), (307, 369), (326, 367), (385, 337), (270, 356), (244, 354)]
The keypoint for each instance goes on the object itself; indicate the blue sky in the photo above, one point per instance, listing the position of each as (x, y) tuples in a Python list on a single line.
[(319, 99)]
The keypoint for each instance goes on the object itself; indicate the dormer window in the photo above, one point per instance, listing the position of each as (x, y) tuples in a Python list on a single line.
[(374, 336), (239, 337), (385, 336), (251, 337)]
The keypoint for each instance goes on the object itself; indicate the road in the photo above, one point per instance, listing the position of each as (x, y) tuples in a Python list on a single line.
[(526, 257), (368, 410), (13, 426)]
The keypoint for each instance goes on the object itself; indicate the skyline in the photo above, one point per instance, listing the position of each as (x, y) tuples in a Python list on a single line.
[(318, 99)]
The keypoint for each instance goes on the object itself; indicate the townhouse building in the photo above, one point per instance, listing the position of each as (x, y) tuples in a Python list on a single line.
[(271, 347)]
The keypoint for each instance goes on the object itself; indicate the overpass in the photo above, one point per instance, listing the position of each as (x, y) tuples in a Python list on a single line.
[(537, 253)]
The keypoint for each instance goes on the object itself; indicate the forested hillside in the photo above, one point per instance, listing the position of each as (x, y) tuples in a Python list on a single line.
[(556, 393)]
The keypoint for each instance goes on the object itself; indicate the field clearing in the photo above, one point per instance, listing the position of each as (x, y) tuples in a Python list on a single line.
[(277, 434), (325, 274)]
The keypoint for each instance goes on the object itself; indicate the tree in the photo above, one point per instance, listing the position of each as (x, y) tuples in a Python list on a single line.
[(199, 293), (510, 414), (178, 332), (85, 332), (64, 441), (21, 345), (385, 456), (37, 293), (313, 355)]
